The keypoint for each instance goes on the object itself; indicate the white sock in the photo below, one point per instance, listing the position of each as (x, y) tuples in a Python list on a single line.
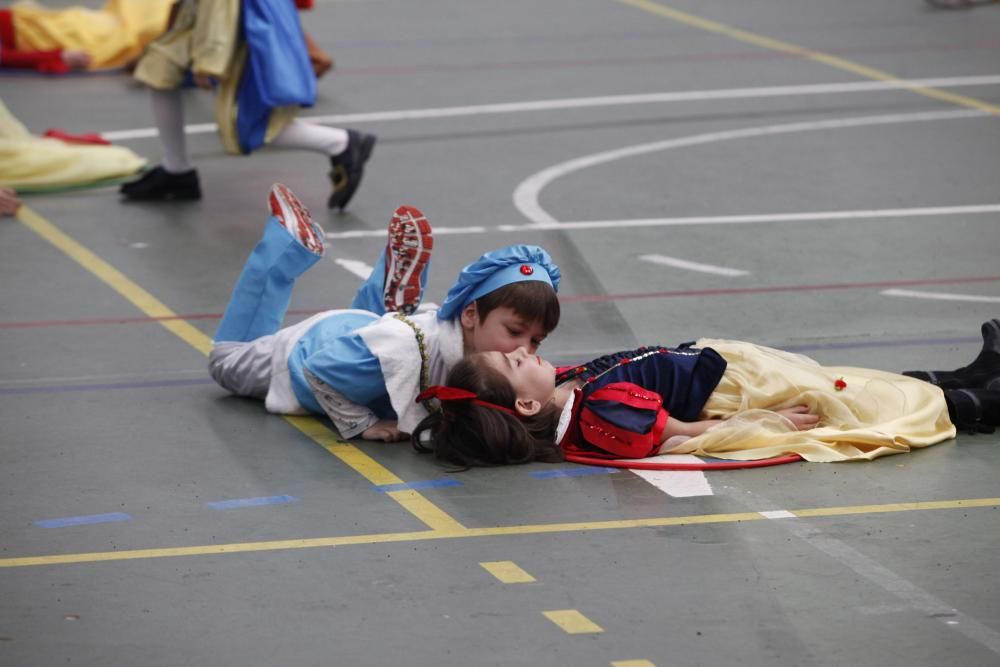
[(168, 112), (308, 136)]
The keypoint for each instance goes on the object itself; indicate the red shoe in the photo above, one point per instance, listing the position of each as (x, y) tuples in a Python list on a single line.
[(407, 252), (294, 217)]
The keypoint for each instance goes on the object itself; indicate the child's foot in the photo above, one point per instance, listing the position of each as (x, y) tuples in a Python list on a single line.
[(983, 372), (158, 184), (973, 410), (407, 252), (294, 217), (349, 167)]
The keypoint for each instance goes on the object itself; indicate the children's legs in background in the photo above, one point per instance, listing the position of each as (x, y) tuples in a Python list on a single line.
[(397, 282), (303, 135), (168, 112)]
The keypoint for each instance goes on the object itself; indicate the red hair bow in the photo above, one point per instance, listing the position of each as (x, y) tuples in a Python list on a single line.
[(443, 393)]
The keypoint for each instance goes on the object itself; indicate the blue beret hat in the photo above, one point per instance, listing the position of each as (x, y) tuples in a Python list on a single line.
[(495, 269)]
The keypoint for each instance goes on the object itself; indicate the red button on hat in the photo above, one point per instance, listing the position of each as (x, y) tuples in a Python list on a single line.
[(526, 270)]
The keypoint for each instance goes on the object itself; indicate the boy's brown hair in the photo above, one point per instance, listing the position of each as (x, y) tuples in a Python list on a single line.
[(533, 300)]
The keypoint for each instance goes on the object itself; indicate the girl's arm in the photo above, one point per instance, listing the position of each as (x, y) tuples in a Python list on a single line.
[(689, 429), (799, 415)]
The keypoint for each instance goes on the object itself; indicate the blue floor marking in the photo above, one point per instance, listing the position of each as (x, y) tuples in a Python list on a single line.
[(252, 502), (83, 520), (417, 486), (573, 472)]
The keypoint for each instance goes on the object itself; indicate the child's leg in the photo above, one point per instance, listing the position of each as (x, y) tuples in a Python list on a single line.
[(175, 179), (264, 288), (983, 372), (168, 113), (348, 151), (243, 368), (303, 135), (397, 282)]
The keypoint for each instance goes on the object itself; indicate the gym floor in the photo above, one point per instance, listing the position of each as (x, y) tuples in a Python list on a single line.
[(828, 174)]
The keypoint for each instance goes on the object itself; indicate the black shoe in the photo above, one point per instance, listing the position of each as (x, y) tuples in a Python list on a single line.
[(349, 167), (983, 372), (158, 184), (973, 410)]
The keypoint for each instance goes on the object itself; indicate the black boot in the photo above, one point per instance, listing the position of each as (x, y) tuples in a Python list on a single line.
[(983, 372), (158, 184), (349, 167), (973, 410)]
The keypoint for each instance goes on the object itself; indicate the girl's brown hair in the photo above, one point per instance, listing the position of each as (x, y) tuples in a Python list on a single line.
[(467, 434)]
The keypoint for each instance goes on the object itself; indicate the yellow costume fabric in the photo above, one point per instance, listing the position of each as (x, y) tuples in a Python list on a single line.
[(114, 35), (30, 162), (877, 413)]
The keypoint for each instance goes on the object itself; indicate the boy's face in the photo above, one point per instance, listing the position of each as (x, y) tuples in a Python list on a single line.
[(503, 330)]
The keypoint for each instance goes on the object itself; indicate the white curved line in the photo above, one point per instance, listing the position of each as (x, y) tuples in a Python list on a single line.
[(527, 192)]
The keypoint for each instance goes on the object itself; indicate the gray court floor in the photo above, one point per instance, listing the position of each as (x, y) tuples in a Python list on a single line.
[(821, 205)]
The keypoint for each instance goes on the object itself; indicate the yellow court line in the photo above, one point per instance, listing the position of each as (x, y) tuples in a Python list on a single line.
[(373, 471), (793, 49), (507, 571), (572, 621), (496, 531), (115, 279)]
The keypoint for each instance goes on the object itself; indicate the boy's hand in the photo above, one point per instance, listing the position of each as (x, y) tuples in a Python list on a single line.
[(800, 416), (204, 81), (386, 431)]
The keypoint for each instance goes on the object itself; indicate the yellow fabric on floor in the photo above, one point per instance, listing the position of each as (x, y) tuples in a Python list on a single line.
[(29, 161), (113, 36), (878, 413)]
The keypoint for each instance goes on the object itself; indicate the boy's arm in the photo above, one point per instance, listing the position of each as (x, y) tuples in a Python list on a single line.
[(350, 418)]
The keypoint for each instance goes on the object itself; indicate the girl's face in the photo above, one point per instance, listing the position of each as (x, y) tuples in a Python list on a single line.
[(532, 378)]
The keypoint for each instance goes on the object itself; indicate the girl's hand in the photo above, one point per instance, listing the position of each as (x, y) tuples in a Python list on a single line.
[(800, 416), (386, 431), (76, 59)]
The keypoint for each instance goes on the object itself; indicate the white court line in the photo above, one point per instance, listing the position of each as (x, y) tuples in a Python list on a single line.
[(693, 266), (602, 101), (357, 267), (678, 483), (915, 597), (777, 514), (527, 192), (753, 218), (943, 296)]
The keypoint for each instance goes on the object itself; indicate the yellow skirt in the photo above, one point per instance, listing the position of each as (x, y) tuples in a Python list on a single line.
[(113, 36), (29, 162), (877, 413)]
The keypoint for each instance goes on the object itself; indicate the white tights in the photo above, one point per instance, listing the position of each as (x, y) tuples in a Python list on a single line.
[(168, 112)]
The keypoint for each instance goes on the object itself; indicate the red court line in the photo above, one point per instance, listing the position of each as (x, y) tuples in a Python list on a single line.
[(579, 298)]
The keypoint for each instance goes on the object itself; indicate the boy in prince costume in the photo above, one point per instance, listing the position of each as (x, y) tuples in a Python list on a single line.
[(364, 366)]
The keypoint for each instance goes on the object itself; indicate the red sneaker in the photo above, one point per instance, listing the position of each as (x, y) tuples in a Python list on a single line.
[(407, 252), (294, 217)]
